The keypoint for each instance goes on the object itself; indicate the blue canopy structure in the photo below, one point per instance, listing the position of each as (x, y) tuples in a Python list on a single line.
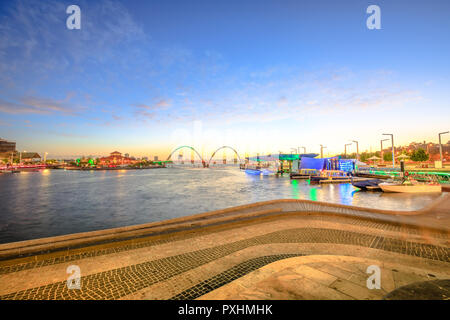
[(312, 163), (347, 165), (333, 163)]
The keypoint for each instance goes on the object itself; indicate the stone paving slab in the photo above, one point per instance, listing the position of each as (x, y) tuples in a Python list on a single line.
[(425, 290), (311, 277), (171, 287)]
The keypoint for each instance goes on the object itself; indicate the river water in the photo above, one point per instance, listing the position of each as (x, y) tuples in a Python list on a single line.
[(56, 202)]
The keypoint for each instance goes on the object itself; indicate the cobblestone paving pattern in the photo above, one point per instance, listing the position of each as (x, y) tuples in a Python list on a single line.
[(229, 275), (116, 283), (356, 221)]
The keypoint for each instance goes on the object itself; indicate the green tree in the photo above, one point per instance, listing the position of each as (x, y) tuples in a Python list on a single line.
[(348, 156), (387, 156), (419, 155)]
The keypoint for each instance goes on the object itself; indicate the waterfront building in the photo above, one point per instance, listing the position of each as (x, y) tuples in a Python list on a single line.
[(155, 158), (28, 156), (431, 148)]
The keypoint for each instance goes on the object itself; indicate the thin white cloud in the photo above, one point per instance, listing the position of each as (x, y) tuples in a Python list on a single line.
[(294, 96), (37, 105)]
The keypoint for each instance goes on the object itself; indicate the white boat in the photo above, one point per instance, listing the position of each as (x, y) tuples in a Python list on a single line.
[(410, 187), (262, 172)]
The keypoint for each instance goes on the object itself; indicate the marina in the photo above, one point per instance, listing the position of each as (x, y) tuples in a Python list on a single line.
[(234, 150)]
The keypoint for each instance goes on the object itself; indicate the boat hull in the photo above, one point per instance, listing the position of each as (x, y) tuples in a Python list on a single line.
[(300, 176), (369, 184), (415, 188)]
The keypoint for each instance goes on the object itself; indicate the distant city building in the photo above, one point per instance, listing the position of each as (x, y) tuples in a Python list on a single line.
[(155, 158), (8, 149), (145, 158), (431, 148), (29, 156), (116, 158)]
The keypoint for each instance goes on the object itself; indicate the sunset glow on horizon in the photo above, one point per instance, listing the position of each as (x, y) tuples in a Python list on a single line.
[(226, 73)]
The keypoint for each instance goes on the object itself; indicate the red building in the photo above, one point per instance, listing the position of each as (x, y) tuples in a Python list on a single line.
[(116, 158)]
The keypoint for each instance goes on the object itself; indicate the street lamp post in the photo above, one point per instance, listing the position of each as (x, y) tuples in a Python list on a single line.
[(321, 150), (357, 150), (345, 148), (381, 152), (304, 149), (20, 156), (393, 150), (440, 144)]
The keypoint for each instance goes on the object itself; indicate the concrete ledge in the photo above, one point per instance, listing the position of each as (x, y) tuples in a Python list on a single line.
[(28, 247)]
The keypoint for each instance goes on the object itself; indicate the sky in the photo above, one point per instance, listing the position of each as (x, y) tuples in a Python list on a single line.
[(144, 77)]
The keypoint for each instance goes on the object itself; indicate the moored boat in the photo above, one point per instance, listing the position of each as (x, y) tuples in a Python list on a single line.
[(331, 176), (303, 174), (9, 171), (411, 187), (260, 172), (367, 184)]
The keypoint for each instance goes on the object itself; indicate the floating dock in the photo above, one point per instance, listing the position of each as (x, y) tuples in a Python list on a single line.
[(349, 180)]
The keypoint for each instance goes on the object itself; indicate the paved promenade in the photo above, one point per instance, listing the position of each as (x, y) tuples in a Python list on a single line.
[(286, 249)]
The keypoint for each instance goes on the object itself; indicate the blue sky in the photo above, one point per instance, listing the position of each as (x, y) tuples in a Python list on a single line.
[(146, 76)]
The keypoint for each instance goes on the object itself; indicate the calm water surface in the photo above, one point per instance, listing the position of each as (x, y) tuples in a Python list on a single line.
[(56, 202)]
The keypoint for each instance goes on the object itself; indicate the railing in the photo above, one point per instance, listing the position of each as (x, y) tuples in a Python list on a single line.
[(442, 177)]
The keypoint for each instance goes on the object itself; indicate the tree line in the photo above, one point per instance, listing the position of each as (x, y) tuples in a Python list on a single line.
[(416, 155)]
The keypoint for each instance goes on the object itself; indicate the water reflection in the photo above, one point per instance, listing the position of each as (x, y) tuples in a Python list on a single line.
[(313, 194), (346, 192), (49, 203), (295, 193)]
